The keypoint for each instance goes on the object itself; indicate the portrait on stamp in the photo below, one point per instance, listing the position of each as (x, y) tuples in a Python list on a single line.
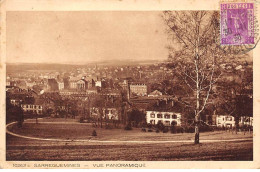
[(237, 23)]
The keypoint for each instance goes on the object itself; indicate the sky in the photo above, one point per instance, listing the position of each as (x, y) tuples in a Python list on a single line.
[(82, 37)]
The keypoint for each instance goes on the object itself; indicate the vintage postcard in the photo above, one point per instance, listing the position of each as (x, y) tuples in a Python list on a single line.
[(129, 84)]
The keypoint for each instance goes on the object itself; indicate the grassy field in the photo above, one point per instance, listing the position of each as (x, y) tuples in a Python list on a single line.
[(25, 149), (84, 131)]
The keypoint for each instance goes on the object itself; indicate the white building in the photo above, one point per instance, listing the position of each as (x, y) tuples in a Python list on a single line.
[(31, 108), (111, 113), (225, 121), (138, 89), (61, 85), (15, 102), (81, 84), (246, 120), (229, 121), (98, 84), (153, 117)]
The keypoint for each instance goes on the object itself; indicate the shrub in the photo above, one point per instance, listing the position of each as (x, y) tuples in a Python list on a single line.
[(144, 125), (205, 128), (150, 130), (94, 133), (81, 120), (149, 125), (173, 126), (165, 130), (108, 126), (128, 127), (190, 129), (179, 129), (160, 126)]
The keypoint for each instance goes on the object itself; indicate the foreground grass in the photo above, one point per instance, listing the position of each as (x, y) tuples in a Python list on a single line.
[(29, 150)]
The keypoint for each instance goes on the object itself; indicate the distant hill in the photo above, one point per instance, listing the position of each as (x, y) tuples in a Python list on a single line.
[(16, 67)]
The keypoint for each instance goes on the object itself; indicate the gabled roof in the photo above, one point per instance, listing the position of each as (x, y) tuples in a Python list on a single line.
[(163, 106), (155, 93)]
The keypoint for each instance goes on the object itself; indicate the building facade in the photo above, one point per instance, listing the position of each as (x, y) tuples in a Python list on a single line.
[(227, 121), (81, 84), (61, 85), (153, 117), (32, 108), (138, 89)]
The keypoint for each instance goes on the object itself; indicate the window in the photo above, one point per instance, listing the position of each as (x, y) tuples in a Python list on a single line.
[(229, 118), (167, 123), (152, 115), (159, 115), (167, 116), (174, 116)]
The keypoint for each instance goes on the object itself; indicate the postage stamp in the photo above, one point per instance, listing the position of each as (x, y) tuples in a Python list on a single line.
[(237, 23)]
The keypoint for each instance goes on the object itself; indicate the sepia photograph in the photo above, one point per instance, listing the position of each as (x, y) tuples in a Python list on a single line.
[(165, 85)]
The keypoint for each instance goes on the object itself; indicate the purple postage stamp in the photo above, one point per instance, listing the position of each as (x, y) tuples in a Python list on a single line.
[(237, 23)]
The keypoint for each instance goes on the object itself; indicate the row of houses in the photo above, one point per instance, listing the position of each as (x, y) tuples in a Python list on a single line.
[(157, 107), (228, 121)]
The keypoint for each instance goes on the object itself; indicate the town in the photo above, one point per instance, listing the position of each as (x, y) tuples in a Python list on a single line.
[(135, 95)]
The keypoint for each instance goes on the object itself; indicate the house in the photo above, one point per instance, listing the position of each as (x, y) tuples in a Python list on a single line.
[(90, 83), (153, 117), (15, 102), (98, 84), (227, 121), (73, 82), (165, 111), (32, 109), (110, 113), (246, 120), (138, 89), (155, 93), (82, 84), (39, 105), (60, 85), (124, 85)]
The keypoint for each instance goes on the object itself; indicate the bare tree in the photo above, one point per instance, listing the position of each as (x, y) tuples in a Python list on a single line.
[(195, 51)]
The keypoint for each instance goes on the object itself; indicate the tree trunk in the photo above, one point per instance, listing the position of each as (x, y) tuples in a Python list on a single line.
[(101, 120), (197, 133)]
